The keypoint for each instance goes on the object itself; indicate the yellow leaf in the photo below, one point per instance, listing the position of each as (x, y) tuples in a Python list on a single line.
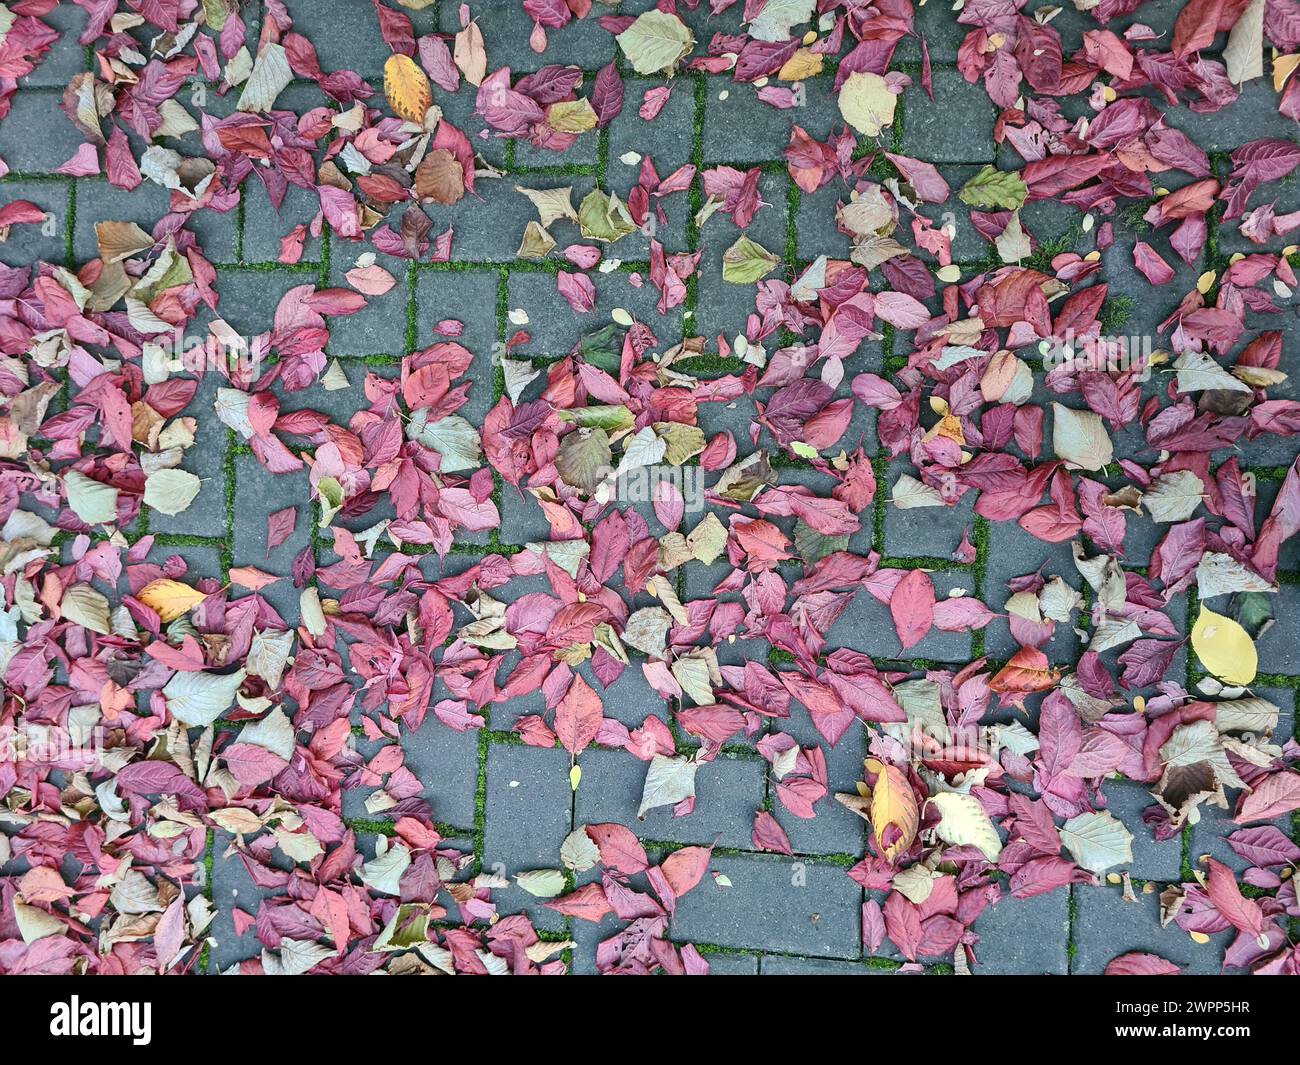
[(408, 90), (1224, 648), (575, 777), (892, 803), (805, 63), (866, 102), (170, 599)]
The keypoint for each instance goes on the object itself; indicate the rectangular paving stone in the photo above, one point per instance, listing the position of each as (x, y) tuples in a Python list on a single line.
[(232, 888), (206, 459), (775, 904), (35, 137), (446, 761), (1024, 936), (1224, 129), (527, 816), (1105, 926), (554, 326), (867, 626), (583, 42), (258, 494), (728, 791), (98, 201), (783, 965)]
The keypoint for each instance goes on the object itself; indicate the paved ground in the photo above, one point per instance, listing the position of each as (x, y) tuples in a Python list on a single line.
[(512, 802)]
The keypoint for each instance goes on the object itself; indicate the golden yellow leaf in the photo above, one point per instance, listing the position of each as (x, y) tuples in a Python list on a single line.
[(407, 87), (892, 803), (170, 599), (1224, 648), (805, 63)]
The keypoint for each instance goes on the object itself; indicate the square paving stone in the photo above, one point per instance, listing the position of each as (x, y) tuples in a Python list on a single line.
[(738, 126), (1020, 937), (728, 790), (380, 327), (666, 139), (265, 226), (67, 55), (1152, 860), (44, 241), (955, 127), (775, 904), (1105, 926), (347, 36)]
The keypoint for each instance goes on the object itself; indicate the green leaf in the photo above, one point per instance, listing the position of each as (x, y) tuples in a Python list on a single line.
[(746, 262), (655, 42), (603, 217), (995, 188), (608, 416)]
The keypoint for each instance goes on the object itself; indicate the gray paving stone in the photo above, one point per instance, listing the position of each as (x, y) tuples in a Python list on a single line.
[(666, 139), (729, 790), (36, 137), (1224, 130), (835, 830), (232, 888), (446, 761), (775, 904), (554, 326), (381, 327), (867, 626), (67, 56), (265, 226), (206, 459), (781, 965), (527, 816), (934, 531), (258, 494), (347, 37), (1279, 647), (583, 42), (955, 127), (98, 201), (738, 126), (1105, 926), (1024, 936), (1152, 860), (29, 244)]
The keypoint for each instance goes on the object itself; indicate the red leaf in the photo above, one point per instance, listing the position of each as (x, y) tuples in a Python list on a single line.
[(577, 718), (912, 606)]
